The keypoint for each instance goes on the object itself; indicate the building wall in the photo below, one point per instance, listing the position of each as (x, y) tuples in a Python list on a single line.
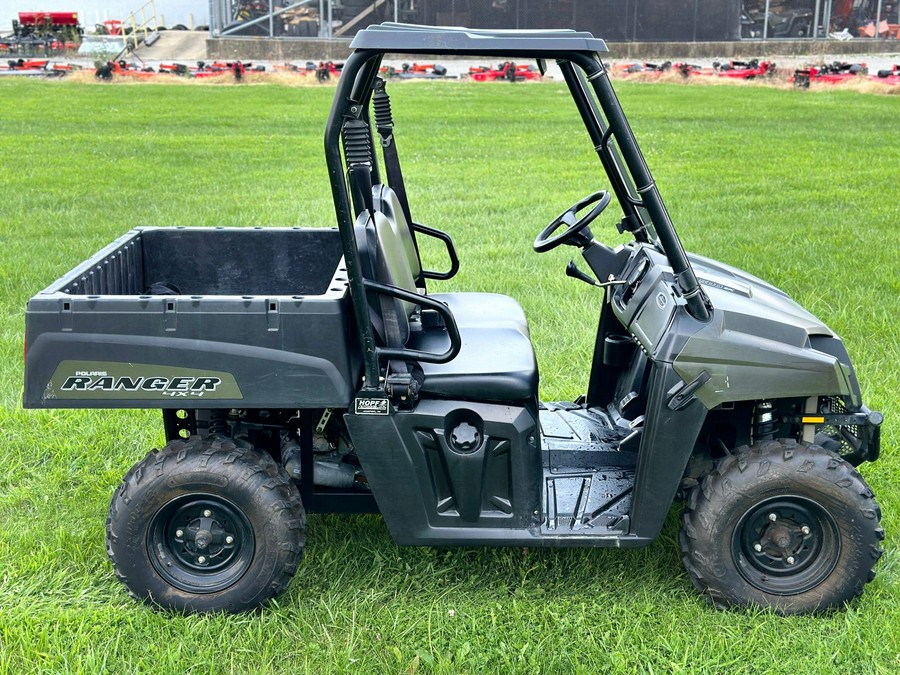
[(618, 20)]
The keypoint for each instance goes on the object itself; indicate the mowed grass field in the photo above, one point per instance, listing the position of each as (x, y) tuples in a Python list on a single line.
[(799, 188)]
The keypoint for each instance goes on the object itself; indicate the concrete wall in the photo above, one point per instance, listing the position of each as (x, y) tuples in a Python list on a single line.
[(277, 50), (747, 48), (285, 49)]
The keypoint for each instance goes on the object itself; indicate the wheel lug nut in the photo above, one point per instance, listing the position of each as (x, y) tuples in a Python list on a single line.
[(202, 559), (804, 529), (229, 539), (757, 547), (207, 513), (179, 533), (773, 517), (790, 560)]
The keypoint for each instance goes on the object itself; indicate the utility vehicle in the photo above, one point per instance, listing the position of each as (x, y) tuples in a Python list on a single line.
[(316, 370)]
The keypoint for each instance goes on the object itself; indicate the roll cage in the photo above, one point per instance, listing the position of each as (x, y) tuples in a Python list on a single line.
[(349, 148)]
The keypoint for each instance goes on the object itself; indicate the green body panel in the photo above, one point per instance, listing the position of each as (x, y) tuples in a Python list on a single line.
[(757, 343), (103, 381)]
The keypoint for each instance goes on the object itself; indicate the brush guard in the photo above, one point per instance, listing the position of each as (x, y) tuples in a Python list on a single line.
[(855, 436)]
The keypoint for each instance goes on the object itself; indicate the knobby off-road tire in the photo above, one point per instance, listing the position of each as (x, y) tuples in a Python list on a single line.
[(782, 524), (205, 525)]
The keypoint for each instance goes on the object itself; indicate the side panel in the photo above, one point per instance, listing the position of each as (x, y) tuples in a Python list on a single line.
[(666, 445), (65, 370), (431, 492), (744, 366)]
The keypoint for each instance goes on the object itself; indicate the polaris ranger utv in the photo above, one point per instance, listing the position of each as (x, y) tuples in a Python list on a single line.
[(315, 370)]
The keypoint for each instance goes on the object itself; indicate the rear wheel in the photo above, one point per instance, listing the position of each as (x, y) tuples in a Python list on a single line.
[(784, 525), (206, 525)]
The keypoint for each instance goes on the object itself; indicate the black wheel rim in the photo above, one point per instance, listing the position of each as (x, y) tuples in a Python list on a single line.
[(786, 545), (200, 543)]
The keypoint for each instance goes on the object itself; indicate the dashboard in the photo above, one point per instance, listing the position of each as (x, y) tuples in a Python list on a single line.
[(645, 304)]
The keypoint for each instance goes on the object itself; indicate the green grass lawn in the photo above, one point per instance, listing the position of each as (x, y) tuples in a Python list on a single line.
[(799, 188)]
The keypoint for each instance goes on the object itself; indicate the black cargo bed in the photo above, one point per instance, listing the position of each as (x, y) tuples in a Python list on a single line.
[(197, 318)]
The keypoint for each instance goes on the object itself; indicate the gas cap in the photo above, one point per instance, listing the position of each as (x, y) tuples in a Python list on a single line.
[(465, 437)]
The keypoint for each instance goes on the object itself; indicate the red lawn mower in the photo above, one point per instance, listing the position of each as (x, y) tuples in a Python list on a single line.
[(505, 71)]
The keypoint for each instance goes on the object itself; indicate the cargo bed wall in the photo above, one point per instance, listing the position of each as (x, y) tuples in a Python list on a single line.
[(197, 318), (119, 273), (204, 261)]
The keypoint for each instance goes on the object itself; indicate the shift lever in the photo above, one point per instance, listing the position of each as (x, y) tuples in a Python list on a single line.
[(573, 271)]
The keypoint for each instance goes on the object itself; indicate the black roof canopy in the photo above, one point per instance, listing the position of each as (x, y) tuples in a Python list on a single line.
[(410, 39)]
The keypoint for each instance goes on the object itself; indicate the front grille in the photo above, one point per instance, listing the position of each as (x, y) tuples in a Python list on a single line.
[(835, 438)]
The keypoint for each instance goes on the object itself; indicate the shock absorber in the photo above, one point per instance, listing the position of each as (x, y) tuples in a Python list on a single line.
[(763, 422), (218, 423)]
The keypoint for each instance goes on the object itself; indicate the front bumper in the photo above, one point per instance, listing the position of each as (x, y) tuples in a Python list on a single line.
[(855, 436)]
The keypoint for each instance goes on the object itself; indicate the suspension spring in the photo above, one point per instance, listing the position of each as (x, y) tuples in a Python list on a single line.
[(763, 421), (218, 423)]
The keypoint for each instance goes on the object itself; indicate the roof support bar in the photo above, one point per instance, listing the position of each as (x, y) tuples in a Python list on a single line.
[(697, 302), (347, 103), (593, 122)]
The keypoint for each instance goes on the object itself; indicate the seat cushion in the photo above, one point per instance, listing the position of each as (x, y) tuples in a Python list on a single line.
[(490, 310), (494, 364)]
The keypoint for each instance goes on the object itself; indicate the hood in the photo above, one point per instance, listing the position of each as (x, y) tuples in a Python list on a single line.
[(757, 344), (748, 300)]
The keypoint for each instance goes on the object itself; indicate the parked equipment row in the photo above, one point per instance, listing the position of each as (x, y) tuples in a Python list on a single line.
[(323, 71)]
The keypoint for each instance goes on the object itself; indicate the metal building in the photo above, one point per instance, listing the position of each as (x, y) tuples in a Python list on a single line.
[(619, 20), (615, 20)]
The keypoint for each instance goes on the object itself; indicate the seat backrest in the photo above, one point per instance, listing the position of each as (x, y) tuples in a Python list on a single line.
[(383, 259), (387, 202)]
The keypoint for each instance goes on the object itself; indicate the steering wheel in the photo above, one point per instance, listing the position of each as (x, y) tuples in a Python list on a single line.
[(569, 217)]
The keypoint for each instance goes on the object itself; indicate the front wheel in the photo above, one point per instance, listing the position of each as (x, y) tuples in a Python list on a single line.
[(784, 525), (205, 525)]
